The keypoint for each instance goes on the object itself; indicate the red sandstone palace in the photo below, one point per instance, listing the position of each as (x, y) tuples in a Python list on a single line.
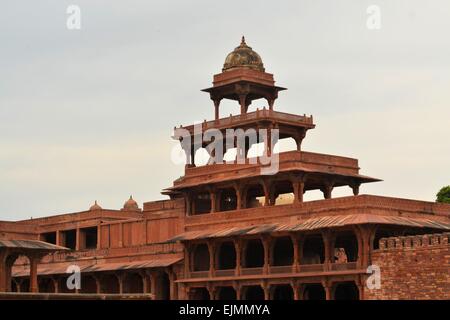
[(227, 231)]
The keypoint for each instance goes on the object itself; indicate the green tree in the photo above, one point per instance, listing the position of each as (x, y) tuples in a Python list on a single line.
[(443, 195)]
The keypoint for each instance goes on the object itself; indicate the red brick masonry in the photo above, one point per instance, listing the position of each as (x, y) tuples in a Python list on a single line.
[(416, 267)]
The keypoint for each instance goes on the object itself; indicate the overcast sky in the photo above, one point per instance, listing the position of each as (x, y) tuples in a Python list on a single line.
[(87, 114)]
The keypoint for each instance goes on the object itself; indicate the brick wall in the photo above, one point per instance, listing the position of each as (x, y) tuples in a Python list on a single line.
[(413, 267)]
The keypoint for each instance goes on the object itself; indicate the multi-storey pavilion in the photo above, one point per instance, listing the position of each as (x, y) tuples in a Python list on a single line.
[(233, 230)]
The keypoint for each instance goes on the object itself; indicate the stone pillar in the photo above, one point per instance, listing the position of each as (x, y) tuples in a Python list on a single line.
[(360, 284), (237, 288), (187, 260), (295, 288), (238, 249), (238, 190), (328, 291), (213, 199), (327, 189), (34, 286), (266, 244), (121, 278), (271, 102), (58, 238), (266, 187), (328, 246), (3, 255), (216, 109), (266, 288), (145, 282), (55, 284), (295, 262), (212, 258), (366, 235), (153, 288), (78, 240), (268, 142), (98, 283), (99, 235), (212, 290), (188, 203), (242, 102), (173, 286), (355, 188)]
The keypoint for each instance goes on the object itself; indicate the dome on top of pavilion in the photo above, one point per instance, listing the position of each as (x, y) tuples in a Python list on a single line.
[(243, 57)]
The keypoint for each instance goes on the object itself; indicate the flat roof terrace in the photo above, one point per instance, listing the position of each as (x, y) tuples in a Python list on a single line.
[(289, 162), (241, 120), (361, 209)]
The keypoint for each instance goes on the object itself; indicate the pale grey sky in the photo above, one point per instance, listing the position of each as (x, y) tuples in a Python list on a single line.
[(88, 114)]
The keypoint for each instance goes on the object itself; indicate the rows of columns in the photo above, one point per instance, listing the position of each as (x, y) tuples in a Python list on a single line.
[(364, 237), (269, 188), (149, 284), (7, 259), (268, 135), (268, 288)]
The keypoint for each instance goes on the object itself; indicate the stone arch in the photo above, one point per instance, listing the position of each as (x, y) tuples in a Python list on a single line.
[(200, 257), (226, 256)]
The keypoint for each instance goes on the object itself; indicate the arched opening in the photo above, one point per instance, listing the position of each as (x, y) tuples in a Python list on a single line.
[(257, 104), (226, 293), (283, 192), (314, 291), (313, 250), (200, 294), (133, 283), (14, 286), (253, 293), (228, 108), (200, 258), (46, 285), (285, 145), (346, 291), (62, 285), (228, 199), (254, 254), (230, 155), (25, 285), (226, 256), (256, 150), (88, 285), (201, 157), (345, 248), (283, 292), (202, 203), (18, 262), (254, 196), (312, 195), (283, 251), (110, 284), (163, 287)]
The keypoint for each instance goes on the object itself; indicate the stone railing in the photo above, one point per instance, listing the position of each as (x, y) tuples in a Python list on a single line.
[(406, 242), (276, 270), (328, 206), (260, 114)]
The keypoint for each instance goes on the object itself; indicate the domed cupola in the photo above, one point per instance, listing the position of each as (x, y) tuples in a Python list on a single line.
[(130, 205), (243, 57), (95, 206)]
